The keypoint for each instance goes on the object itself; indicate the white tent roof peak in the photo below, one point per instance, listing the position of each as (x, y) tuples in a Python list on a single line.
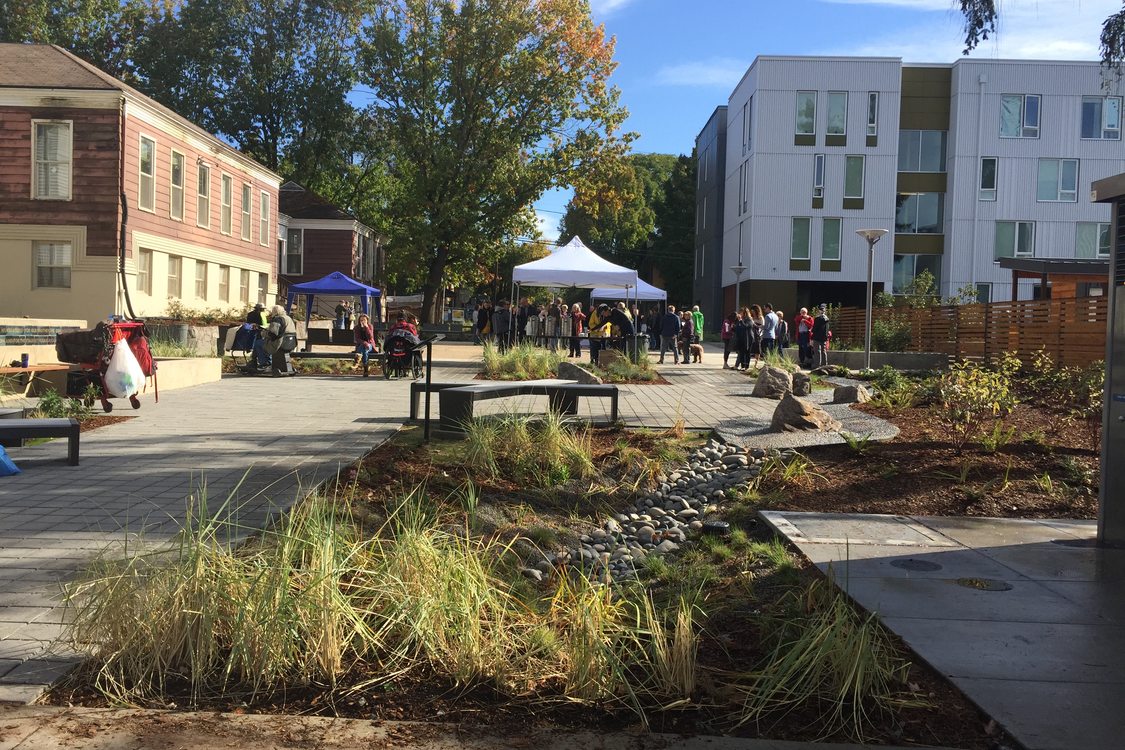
[(574, 265)]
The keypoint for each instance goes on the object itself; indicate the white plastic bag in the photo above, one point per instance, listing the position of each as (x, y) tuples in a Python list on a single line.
[(124, 376)]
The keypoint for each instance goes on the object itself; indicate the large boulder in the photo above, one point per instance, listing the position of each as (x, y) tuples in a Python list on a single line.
[(850, 394), (796, 415), (571, 371), (773, 382), (607, 357), (802, 384)]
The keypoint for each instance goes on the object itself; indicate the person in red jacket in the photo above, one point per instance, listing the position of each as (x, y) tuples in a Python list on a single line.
[(803, 324)]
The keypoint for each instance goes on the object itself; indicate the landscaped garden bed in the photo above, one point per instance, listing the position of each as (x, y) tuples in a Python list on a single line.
[(527, 362)]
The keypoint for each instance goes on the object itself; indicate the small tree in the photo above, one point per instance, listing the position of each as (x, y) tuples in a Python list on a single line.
[(970, 396)]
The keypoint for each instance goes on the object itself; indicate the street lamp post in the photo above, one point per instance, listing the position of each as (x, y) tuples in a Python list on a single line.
[(872, 236), (738, 270)]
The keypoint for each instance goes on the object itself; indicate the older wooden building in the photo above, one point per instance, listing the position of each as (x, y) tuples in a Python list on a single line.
[(109, 199)]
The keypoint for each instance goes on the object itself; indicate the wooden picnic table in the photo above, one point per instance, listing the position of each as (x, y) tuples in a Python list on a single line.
[(29, 373)]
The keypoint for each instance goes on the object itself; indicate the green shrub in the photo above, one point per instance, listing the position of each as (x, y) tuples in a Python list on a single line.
[(53, 406), (522, 362), (972, 396), (890, 334)]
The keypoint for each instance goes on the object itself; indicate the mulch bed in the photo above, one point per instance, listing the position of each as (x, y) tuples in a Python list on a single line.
[(100, 420), (1049, 469)]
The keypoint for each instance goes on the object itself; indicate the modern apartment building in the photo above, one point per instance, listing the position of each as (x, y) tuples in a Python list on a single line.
[(93, 173), (711, 175), (963, 164)]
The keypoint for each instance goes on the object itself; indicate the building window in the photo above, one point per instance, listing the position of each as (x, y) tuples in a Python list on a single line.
[(295, 252), (988, 166), (1058, 181), (200, 279), (263, 285), (919, 213), (176, 187), (203, 200), (224, 283), (799, 245), (146, 199), (908, 267), (247, 211), (144, 271), (747, 115), (1092, 240), (806, 112), (830, 240), (921, 151), (175, 276), (52, 150), (818, 176), (1019, 115), (244, 286), (1101, 118), (873, 113), (226, 198), (264, 220), (853, 177), (837, 113), (984, 293), (53, 261), (1014, 239), (741, 188)]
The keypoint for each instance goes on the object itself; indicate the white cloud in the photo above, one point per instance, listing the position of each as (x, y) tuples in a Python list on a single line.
[(547, 226), (606, 7), (1045, 29), (722, 72)]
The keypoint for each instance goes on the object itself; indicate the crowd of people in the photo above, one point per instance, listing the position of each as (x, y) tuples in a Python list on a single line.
[(557, 325), (758, 331)]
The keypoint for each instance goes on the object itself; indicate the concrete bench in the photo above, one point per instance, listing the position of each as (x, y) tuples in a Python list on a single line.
[(45, 428), (456, 402)]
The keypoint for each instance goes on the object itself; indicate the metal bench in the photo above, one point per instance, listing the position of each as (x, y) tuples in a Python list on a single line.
[(45, 428), (456, 402)]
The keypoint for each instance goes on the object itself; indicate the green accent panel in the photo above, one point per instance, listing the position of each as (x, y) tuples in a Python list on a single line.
[(872, 141), (922, 182), (835, 140), (800, 265), (829, 265), (853, 202), (804, 140), (818, 202), (919, 244), (924, 104)]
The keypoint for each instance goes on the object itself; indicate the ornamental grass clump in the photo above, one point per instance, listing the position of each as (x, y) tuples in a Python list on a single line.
[(543, 451), (520, 362)]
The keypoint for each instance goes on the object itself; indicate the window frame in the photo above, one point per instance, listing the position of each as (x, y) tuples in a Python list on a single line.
[(172, 186), (793, 237), (202, 217), (200, 264), (246, 231), (1059, 192), (824, 236), (1017, 223), (1102, 127), (226, 204), (36, 246), (828, 113), (291, 232), (917, 198), (224, 283), (748, 115), (1023, 126), (35, 123), (818, 175), (244, 286), (797, 113), (264, 219), (982, 191), (144, 271), (263, 286), (1100, 228), (151, 208), (178, 262), (943, 156), (872, 114), (862, 176)]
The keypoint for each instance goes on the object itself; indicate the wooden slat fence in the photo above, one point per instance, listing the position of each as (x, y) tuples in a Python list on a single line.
[(1072, 331)]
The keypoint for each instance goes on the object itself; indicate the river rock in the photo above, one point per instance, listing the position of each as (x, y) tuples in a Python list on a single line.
[(850, 394), (532, 573), (773, 382), (571, 371), (802, 384), (796, 415)]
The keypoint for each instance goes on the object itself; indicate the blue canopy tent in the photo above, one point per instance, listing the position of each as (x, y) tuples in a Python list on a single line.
[(334, 284)]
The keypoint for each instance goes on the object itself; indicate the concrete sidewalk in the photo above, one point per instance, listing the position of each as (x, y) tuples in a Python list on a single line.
[(46, 728), (1026, 617)]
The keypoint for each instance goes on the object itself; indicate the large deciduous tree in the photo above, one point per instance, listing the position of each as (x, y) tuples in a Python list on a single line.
[(483, 106), (673, 245)]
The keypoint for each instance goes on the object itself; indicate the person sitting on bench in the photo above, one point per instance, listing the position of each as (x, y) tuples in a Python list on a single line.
[(280, 333)]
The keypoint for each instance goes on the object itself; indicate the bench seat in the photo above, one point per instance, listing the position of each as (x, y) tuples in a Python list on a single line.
[(45, 428), (456, 400)]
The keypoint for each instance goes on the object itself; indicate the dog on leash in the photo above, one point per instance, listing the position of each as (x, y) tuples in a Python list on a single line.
[(697, 353)]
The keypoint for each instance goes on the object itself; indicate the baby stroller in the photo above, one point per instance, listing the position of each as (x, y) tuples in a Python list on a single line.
[(93, 349), (400, 357)]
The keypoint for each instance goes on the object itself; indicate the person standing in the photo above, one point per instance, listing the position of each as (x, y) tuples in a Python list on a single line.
[(687, 335), (502, 325), (769, 330), (484, 322), (364, 337), (341, 314), (577, 326), (782, 332), (697, 320), (820, 336), (727, 334), (521, 319), (742, 337), (757, 324), (593, 328), (669, 331), (804, 324)]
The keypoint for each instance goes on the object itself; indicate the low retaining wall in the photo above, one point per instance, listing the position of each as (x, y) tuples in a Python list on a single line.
[(853, 360), (34, 337), (170, 375)]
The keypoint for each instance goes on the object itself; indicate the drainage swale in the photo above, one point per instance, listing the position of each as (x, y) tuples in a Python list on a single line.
[(916, 565), (984, 584)]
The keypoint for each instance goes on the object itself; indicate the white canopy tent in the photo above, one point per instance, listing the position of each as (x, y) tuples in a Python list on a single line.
[(575, 265), (645, 292)]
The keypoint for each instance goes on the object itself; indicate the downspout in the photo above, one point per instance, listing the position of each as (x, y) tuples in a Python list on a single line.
[(124, 213), (982, 79)]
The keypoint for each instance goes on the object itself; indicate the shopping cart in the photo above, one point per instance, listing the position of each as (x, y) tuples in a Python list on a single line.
[(91, 350)]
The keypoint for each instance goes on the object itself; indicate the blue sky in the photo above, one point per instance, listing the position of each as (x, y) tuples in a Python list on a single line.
[(679, 59)]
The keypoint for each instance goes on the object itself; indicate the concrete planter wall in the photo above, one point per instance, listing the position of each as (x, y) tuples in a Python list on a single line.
[(853, 360), (171, 373), (203, 340)]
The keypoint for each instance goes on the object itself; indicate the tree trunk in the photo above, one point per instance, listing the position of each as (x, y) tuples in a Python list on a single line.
[(432, 289)]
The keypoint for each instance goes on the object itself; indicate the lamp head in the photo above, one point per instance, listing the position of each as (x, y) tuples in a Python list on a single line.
[(738, 269), (871, 235)]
